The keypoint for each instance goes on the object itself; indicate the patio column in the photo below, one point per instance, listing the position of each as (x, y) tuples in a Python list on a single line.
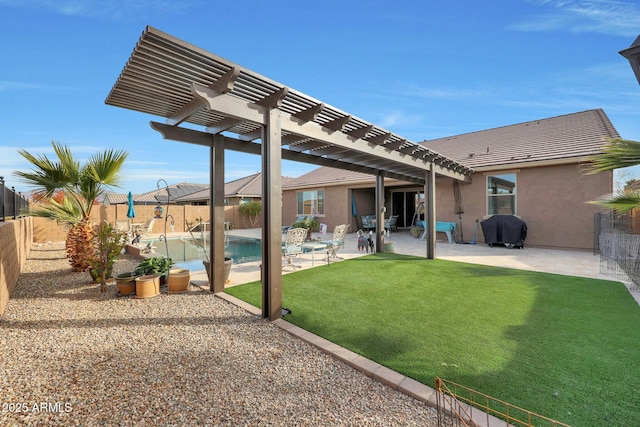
[(272, 216), (430, 211), (379, 211), (216, 214)]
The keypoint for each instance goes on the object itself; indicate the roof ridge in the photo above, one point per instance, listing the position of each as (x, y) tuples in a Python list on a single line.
[(248, 177), (516, 124)]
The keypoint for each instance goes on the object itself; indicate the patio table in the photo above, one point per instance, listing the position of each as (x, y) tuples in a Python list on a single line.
[(312, 247)]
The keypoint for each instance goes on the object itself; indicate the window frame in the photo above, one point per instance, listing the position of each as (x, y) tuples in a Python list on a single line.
[(512, 195), (319, 205)]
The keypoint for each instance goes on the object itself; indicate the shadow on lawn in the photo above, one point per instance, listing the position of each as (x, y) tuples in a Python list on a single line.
[(560, 346), (567, 362)]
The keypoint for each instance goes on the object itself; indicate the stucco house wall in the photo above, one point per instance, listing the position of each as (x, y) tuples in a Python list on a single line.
[(551, 200), (336, 210)]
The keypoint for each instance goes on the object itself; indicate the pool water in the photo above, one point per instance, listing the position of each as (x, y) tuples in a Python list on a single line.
[(186, 254)]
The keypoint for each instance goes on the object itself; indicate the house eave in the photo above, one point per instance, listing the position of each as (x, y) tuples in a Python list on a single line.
[(533, 164)]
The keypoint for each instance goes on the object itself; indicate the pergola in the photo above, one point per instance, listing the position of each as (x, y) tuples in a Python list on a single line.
[(182, 83)]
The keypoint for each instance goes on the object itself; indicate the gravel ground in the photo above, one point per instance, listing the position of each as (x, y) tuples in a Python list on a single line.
[(71, 355)]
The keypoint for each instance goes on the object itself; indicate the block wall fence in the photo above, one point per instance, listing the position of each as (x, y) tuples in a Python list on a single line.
[(48, 231), (16, 238)]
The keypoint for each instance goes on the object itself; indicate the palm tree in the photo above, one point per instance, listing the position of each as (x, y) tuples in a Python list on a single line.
[(80, 185), (618, 153)]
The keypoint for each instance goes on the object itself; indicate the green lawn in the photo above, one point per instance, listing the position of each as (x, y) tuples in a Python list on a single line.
[(565, 347)]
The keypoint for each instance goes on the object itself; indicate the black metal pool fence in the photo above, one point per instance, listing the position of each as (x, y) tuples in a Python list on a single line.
[(11, 202), (619, 246)]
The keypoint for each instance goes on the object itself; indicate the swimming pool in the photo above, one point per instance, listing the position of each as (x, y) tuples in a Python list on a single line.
[(186, 254)]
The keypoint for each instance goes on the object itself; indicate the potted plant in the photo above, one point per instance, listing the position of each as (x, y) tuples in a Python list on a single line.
[(126, 282), (415, 231), (108, 243), (155, 265), (310, 223), (202, 243)]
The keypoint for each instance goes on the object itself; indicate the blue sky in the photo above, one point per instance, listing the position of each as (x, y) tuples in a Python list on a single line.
[(422, 69)]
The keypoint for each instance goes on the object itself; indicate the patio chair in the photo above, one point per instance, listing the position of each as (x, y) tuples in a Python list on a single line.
[(368, 222), (147, 228), (336, 242), (123, 225), (292, 245), (391, 223)]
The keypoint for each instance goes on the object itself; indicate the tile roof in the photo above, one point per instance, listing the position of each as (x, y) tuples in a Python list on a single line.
[(327, 176), (566, 137), (176, 191), (249, 186), (115, 198)]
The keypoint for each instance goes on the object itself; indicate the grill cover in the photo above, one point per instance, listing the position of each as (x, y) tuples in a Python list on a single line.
[(507, 230)]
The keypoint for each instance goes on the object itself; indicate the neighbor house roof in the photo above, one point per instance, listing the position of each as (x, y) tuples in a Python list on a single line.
[(563, 139), (176, 191), (115, 199), (248, 186)]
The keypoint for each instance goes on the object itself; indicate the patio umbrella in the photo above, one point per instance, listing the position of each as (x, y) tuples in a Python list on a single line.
[(459, 208), (131, 213), (354, 210)]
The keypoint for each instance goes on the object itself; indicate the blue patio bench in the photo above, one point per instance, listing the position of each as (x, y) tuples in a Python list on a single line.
[(449, 228)]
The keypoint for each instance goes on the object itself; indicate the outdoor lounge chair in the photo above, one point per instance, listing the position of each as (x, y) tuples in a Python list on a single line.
[(123, 225), (292, 245), (336, 242), (147, 228)]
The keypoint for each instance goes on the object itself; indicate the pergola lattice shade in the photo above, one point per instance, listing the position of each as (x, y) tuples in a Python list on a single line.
[(170, 78)]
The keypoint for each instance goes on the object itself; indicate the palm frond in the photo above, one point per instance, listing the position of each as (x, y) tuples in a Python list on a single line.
[(622, 202), (47, 176), (67, 212), (104, 167), (70, 166), (617, 153)]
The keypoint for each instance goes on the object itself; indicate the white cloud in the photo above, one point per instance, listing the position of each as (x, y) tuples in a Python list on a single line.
[(113, 9), (6, 85), (614, 17), (440, 93)]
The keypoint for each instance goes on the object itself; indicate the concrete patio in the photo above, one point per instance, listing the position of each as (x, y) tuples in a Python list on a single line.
[(568, 262)]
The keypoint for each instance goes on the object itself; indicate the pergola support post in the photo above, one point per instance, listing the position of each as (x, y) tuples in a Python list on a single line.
[(380, 211), (430, 211), (216, 214), (272, 217)]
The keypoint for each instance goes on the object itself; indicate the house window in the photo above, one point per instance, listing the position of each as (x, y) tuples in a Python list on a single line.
[(501, 194), (311, 202)]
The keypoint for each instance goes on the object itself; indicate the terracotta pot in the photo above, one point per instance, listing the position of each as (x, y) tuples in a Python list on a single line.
[(179, 280), (126, 283), (148, 286)]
